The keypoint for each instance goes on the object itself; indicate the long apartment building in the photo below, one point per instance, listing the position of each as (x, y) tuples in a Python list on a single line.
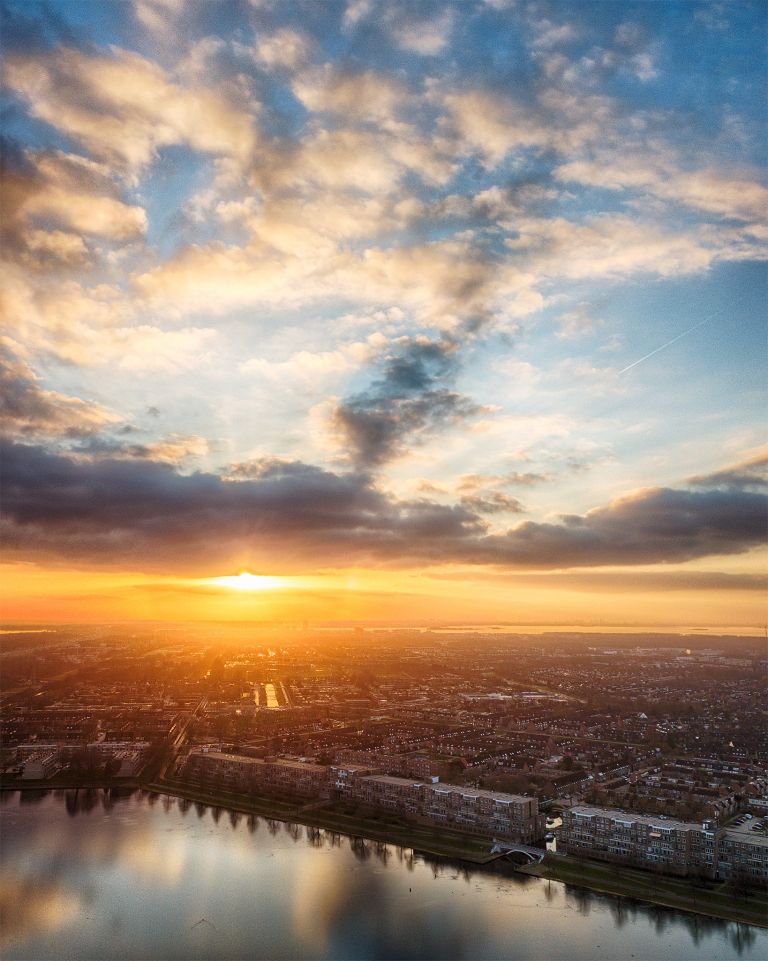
[(473, 810), (664, 844), (243, 775), (489, 813), (494, 813)]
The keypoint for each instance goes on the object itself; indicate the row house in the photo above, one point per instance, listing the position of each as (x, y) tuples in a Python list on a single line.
[(404, 765), (99, 751)]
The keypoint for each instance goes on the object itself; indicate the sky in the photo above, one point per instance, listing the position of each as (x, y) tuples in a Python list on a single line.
[(407, 311)]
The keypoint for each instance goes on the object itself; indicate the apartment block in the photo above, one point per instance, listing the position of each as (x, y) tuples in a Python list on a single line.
[(664, 844), (475, 811), (489, 813), (233, 772), (493, 813), (742, 854), (41, 765)]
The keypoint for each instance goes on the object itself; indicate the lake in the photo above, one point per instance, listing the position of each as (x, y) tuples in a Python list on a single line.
[(88, 875)]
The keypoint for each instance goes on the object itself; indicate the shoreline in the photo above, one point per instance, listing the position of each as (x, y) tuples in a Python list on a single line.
[(713, 901), (421, 838)]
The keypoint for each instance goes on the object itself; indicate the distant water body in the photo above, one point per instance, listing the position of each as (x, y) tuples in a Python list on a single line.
[(87, 876), (580, 629)]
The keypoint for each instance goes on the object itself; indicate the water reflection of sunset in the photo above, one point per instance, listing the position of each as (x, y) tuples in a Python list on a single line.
[(34, 906), (242, 886)]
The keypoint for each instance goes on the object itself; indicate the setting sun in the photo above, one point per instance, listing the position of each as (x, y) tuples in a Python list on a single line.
[(247, 582)]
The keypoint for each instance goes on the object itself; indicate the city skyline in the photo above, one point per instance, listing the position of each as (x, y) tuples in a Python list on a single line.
[(381, 311)]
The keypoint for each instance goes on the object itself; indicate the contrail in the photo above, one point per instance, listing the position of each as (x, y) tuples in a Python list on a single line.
[(668, 344)]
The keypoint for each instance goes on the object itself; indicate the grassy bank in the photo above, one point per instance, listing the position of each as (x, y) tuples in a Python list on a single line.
[(717, 899), (69, 782), (419, 837)]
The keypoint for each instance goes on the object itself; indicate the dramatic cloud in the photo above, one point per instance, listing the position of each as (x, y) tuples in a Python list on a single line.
[(286, 49), (475, 482), (51, 199), (617, 582), (610, 245), (97, 330), (175, 449), (651, 526), (407, 403), (147, 516), (427, 33), (493, 125), (151, 517), (357, 96)]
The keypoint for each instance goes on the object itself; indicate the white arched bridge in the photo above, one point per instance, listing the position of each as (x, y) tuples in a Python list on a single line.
[(504, 848)]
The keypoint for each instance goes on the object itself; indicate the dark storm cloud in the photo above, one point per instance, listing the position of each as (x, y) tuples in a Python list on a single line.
[(409, 401), (142, 512), (652, 526), (147, 515), (748, 473)]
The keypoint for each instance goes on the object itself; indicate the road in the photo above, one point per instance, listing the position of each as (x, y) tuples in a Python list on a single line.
[(178, 735)]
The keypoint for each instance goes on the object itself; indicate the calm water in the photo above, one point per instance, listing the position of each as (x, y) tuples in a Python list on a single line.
[(87, 876)]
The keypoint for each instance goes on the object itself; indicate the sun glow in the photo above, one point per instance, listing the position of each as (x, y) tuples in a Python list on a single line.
[(247, 582)]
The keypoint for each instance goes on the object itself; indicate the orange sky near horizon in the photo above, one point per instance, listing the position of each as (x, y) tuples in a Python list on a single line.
[(589, 599)]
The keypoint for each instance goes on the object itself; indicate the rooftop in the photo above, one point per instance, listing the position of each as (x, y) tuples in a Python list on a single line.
[(651, 820)]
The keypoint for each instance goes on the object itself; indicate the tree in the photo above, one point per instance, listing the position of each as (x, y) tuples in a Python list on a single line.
[(112, 767), (741, 882)]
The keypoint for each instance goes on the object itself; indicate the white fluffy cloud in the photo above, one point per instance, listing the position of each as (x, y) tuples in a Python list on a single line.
[(123, 108), (284, 49), (711, 190), (427, 37)]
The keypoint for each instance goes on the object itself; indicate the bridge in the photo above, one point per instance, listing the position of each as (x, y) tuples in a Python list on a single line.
[(503, 849)]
